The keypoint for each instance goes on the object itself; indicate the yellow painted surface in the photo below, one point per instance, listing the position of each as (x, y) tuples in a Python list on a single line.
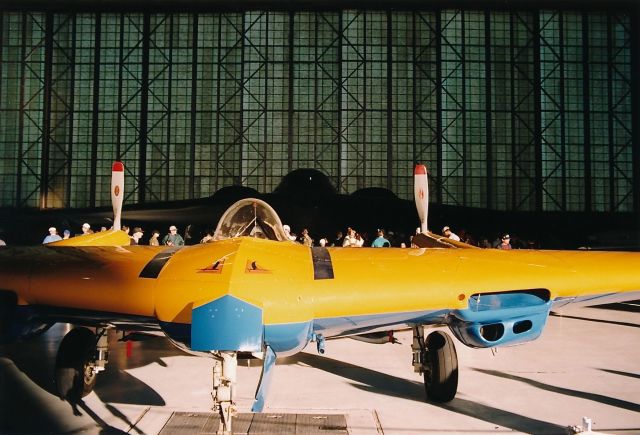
[(188, 279), (374, 281), (278, 278), (102, 238), (92, 278)]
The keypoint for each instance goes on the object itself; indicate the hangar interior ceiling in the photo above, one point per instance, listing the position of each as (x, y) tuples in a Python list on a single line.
[(510, 110)]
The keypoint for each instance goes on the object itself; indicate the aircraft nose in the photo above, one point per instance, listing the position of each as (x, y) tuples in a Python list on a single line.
[(227, 324)]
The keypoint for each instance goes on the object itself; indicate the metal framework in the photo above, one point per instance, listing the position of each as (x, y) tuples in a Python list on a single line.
[(517, 110)]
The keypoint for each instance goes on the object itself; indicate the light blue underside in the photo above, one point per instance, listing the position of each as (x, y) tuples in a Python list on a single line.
[(229, 323)]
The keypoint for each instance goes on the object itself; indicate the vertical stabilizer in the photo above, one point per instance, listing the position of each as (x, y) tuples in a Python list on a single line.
[(421, 192), (117, 193)]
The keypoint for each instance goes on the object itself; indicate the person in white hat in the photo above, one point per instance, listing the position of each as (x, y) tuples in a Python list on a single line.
[(53, 236), (287, 232), (86, 228), (136, 236), (173, 238), (450, 234)]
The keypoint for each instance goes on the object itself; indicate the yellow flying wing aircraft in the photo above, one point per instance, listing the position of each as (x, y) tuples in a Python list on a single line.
[(252, 290)]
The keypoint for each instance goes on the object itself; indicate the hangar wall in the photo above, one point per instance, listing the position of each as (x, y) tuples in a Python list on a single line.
[(511, 110)]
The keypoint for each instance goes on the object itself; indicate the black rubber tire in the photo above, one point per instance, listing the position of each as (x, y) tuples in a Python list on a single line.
[(74, 376), (441, 378)]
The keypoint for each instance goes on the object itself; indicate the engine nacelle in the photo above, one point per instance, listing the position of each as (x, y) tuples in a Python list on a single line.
[(501, 319)]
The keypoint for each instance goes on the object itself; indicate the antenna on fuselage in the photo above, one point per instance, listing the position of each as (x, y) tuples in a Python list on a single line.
[(117, 193), (421, 194)]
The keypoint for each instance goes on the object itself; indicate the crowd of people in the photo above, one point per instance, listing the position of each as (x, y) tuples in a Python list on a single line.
[(349, 239), (354, 239), (172, 238)]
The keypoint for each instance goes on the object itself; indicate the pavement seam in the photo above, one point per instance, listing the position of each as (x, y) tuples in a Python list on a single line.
[(134, 425), (376, 419)]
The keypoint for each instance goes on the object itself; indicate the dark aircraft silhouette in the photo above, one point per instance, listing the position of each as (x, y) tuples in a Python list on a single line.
[(306, 198)]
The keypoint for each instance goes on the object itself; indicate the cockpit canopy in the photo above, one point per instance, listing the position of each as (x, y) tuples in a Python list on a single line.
[(250, 217)]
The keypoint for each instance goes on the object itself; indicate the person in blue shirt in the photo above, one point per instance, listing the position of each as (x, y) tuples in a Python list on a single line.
[(52, 237), (380, 241)]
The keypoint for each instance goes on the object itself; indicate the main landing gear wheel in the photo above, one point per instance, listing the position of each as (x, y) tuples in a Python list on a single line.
[(441, 368), (75, 374)]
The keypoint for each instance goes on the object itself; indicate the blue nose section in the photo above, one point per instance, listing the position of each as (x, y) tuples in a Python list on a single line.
[(227, 324)]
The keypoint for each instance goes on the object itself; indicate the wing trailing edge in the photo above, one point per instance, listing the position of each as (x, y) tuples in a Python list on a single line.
[(103, 238)]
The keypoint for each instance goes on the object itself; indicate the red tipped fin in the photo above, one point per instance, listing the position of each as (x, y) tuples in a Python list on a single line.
[(420, 170)]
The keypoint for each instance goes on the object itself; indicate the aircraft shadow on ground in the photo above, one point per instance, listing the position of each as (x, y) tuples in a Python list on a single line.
[(20, 407), (611, 401), (105, 428), (25, 407), (501, 417), (383, 383), (36, 359), (630, 306), (616, 372), (610, 322), (145, 350), (118, 386), (374, 380), (30, 365)]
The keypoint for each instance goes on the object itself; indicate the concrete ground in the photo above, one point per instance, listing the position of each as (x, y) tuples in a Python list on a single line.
[(586, 364)]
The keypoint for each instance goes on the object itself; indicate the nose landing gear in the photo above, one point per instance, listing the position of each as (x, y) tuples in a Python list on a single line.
[(224, 382)]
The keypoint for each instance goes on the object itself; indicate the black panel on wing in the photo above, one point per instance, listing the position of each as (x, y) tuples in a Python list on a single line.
[(322, 266), (153, 267)]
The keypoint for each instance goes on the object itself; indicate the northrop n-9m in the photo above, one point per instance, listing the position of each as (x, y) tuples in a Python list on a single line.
[(253, 290)]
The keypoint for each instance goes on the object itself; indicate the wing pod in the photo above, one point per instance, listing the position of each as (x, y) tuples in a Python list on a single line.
[(501, 318)]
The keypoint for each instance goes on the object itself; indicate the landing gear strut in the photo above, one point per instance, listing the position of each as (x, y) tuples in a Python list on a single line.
[(81, 356), (436, 358), (224, 381)]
